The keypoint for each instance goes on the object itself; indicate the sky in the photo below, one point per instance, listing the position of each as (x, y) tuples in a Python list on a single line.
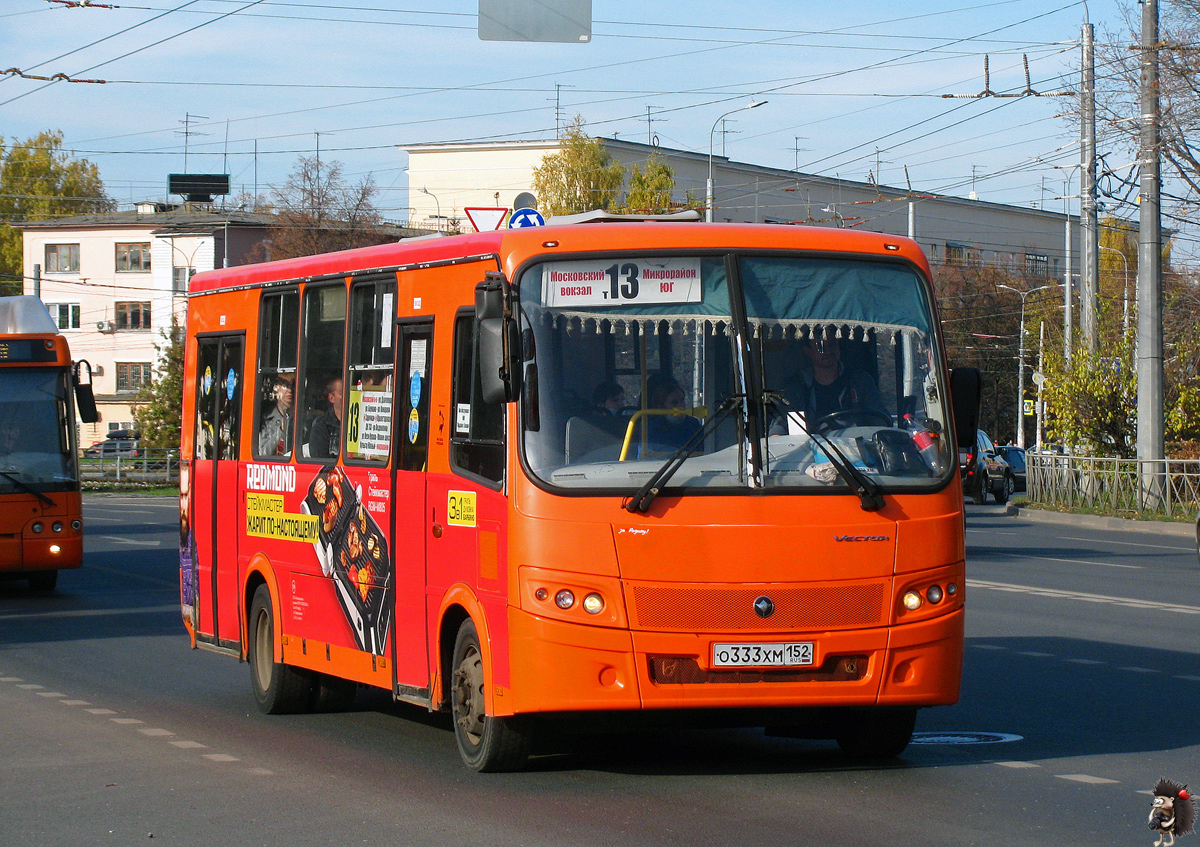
[(853, 88)]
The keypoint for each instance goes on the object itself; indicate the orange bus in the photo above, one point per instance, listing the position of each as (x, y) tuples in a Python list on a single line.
[(41, 514), (536, 474)]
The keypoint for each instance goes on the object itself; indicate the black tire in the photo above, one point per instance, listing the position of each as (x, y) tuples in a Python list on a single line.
[(332, 693), (876, 733), (278, 689), (43, 580), (1005, 490), (486, 743), (979, 495)]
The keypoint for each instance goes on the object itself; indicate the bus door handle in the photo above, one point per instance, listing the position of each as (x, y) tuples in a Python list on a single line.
[(437, 527)]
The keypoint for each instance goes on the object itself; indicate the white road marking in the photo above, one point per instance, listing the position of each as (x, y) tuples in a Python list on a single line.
[(221, 757), (1090, 780), (1128, 544), (133, 541), (51, 694), (89, 613), (1087, 661), (100, 711), (29, 686), (75, 703), (188, 745), (1018, 765), (1188, 677), (156, 733), (126, 721), (1128, 602), (1139, 670)]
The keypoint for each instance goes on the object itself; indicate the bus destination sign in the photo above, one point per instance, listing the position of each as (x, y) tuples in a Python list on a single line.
[(621, 282)]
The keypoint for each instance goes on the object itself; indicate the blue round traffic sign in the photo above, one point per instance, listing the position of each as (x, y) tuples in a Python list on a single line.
[(525, 217)]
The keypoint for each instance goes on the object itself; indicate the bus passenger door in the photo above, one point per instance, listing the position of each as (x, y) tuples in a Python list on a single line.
[(214, 489), (411, 425)]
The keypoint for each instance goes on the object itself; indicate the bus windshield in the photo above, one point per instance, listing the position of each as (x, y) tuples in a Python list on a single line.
[(749, 371), (35, 442)]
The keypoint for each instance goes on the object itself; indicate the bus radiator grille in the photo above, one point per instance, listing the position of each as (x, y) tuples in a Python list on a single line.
[(684, 670), (709, 609)]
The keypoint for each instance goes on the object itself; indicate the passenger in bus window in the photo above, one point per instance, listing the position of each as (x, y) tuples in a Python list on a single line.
[(824, 385), (607, 402), (325, 437), (275, 431), (667, 433)]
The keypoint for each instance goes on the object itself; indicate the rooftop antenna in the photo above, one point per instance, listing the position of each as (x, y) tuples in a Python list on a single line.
[(187, 132)]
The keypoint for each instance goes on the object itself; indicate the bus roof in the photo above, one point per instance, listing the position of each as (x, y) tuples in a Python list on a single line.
[(25, 314), (560, 239)]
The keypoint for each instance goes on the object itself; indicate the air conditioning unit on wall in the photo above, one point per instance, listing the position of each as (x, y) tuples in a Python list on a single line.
[(105, 326)]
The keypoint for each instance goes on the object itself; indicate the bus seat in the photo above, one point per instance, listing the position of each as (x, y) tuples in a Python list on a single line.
[(588, 442)]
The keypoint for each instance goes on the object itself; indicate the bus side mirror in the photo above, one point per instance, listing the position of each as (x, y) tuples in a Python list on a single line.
[(499, 337), (85, 400), (965, 390)]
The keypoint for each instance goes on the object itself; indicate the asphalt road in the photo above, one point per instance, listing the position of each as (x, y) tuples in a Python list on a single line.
[(1082, 677)]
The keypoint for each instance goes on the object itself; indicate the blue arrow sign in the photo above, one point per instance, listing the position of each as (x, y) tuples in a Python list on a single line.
[(525, 217)]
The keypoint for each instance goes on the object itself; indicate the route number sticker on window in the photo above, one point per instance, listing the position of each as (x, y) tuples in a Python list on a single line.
[(621, 282)]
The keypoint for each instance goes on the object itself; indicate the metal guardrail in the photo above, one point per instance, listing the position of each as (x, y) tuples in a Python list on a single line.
[(149, 465), (1169, 487)]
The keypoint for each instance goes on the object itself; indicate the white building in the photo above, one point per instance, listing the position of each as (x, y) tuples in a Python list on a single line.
[(113, 281), (445, 179)]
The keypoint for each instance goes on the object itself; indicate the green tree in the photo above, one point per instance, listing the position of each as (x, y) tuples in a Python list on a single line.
[(1093, 399), (581, 177), (650, 189), (39, 181), (159, 406)]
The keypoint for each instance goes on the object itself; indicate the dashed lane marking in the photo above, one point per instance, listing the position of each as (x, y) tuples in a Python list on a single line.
[(1018, 765), (157, 733), (1087, 778), (220, 757), (1127, 602), (75, 702)]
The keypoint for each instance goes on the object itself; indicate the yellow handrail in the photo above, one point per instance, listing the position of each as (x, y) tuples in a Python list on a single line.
[(695, 412)]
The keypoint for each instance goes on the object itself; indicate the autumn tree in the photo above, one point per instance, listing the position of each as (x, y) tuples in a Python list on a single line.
[(39, 181), (321, 211), (650, 190), (159, 406), (581, 177)]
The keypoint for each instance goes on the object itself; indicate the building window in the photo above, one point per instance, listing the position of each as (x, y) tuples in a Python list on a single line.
[(1037, 265), (956, 254), (66, 315), (180, 278), (62, 258), (132, 376), (133, 315), (133, 257)]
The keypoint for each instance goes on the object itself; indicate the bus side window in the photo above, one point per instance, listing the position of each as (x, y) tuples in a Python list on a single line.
[(275, 395), (369, 417), (321, 399), (477, 438)]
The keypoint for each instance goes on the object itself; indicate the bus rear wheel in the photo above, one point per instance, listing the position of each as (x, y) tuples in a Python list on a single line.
[(278, 689), (876, 733), (487, 743)]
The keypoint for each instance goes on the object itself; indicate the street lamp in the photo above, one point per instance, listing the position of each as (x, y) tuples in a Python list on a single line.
[(1068, 282), (1125, 307), (425, 190), (708, 204), (1021, 360)]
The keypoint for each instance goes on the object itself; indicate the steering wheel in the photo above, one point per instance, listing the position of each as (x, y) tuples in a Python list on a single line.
[(852, 417)]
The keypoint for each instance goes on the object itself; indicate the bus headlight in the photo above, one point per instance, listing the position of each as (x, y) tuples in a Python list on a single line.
[(55, 549), (912, 600), (593, 604), (564, 599)]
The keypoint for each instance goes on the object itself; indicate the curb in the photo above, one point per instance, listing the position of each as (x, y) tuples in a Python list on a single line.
[(1173, 528)]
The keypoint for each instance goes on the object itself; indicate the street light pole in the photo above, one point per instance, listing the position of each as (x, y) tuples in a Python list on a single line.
[(425, 190), (708, 195), (1021, 360)]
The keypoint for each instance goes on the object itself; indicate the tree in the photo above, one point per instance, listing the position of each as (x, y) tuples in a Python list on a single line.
[(39, 181), (1093, 399), (1118, 87), (580, 177), (319, 212), (160, 404), (650, 189)]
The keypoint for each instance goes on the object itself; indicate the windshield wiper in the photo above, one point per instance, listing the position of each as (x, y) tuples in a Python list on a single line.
[(27, 488), (641, 500), (867, 489)]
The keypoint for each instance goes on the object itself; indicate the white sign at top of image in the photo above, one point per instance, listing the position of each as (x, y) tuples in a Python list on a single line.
[(621, 282)]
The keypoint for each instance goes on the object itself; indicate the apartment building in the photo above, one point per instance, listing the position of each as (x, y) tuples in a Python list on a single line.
[(113, 282)]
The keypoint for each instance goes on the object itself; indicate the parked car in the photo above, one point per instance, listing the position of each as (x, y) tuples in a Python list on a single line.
[(112, 448), (1015, 456), (985, 472)]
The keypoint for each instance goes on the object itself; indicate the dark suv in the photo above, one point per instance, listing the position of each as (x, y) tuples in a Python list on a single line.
[(984, 472)]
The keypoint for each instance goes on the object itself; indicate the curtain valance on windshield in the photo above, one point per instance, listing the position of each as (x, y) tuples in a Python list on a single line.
[(588, 323)]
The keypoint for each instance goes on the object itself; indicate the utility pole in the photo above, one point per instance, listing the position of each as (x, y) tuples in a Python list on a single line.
[(1151, 451), (1089, 295)]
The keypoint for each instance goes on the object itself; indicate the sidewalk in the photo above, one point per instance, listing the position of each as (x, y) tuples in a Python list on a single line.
[(1174, 528)]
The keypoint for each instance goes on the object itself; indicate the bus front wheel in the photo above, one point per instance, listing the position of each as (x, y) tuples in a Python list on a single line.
[(876, 733), (279, 689), (487, 743)]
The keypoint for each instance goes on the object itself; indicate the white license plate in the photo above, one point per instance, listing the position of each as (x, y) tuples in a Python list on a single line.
[(770, 655)]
